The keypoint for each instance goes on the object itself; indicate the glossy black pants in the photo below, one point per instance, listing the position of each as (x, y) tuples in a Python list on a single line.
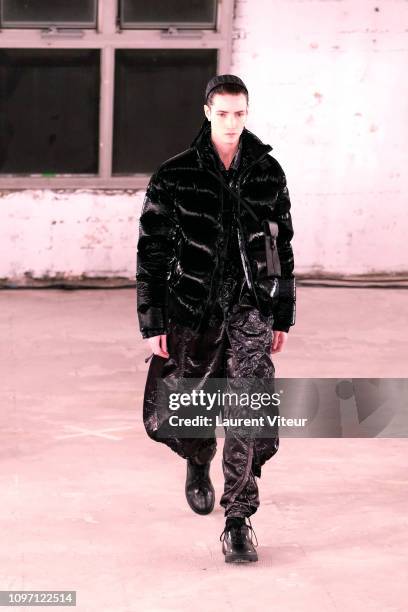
[(234, 342)]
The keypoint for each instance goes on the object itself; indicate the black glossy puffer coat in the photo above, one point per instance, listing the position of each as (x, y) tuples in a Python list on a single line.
[(180, 230)]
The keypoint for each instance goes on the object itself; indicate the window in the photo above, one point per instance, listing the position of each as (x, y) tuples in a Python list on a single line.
[(187, 13), (145, 86), (49, 110), (37, 13), (97, 93)]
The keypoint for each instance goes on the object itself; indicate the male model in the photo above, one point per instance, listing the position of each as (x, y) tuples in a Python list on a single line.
[(206, 300)]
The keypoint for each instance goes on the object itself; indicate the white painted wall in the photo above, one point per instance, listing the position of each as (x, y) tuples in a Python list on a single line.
[(328, 90), (46, 233)]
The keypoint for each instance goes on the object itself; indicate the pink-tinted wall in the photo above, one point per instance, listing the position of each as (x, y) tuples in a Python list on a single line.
[(328, 91)]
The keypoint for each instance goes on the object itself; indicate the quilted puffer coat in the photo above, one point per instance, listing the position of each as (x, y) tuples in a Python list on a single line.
[(180, 231)]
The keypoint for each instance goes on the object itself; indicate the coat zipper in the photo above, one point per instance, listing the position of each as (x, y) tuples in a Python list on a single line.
[(243, 252)]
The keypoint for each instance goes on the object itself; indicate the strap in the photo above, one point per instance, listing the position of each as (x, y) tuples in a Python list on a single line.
[(269, 260), (234, 194), (270, 229)]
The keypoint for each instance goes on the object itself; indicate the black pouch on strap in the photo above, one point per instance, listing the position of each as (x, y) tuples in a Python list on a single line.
[(271, 231)]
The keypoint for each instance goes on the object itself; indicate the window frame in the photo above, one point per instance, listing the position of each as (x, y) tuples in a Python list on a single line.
[(108, 37), (73, 24)]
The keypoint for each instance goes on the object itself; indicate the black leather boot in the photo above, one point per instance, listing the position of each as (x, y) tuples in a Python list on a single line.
[(237, 544), (200, 492)]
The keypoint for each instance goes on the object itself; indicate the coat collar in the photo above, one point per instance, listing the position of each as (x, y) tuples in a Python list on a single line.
[(235, 162), (252, 147)]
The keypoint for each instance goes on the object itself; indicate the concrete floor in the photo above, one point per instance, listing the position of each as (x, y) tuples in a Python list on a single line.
[(90, 503)]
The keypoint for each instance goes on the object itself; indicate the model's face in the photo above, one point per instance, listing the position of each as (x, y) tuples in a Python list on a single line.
[(227, 114)]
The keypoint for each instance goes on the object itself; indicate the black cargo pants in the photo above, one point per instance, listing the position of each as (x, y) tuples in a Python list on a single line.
[(233, 342)]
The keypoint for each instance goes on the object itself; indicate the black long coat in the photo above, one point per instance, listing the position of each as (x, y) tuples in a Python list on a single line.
[(180, 230)]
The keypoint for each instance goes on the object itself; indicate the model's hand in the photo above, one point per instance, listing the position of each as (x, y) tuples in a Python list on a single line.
[(158, 344), (278, 342)]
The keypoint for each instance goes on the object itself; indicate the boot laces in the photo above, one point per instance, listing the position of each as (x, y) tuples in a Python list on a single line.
[(235, 531), (249, 527)]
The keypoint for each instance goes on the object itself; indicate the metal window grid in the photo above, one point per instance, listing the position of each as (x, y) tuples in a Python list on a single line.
[(107, 37)]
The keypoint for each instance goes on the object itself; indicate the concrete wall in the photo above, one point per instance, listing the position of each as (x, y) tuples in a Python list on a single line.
[(328, 91), (64, 233)]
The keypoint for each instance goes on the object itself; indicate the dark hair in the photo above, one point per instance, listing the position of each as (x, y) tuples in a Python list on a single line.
[(229, 88)]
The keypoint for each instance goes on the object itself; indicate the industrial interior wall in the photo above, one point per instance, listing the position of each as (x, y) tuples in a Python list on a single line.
[(328, 91)]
